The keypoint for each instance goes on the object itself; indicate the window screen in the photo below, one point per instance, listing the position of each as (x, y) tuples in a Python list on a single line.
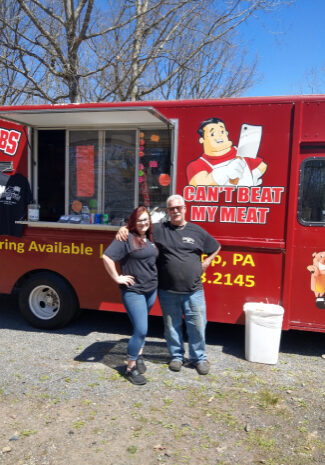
[(154, 168), (119, 173)]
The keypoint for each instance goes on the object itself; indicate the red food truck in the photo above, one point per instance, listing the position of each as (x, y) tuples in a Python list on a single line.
[(251, 170)]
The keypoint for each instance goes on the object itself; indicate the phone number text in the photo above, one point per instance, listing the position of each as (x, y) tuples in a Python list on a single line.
[(228, 279)]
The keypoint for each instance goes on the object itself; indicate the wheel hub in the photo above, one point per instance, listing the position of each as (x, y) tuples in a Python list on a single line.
[(44, 302)]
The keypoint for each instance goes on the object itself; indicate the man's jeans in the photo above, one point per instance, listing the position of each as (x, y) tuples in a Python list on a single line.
[(192, 306)]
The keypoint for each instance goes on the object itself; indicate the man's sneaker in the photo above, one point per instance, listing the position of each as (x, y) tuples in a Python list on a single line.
[(175, 365), (141, 366), (203, 367), (134, 376)]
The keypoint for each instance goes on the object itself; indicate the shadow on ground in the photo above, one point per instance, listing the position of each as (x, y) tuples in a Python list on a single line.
[(113, 353), (230, 337)]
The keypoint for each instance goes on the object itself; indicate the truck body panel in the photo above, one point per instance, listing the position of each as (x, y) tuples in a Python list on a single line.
[(269, 219)]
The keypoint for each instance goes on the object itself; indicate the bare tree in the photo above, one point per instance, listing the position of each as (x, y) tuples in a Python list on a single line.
[(218, 71), (74, 50), (180, 49), (12, 87), (48, 53), (313, 81)]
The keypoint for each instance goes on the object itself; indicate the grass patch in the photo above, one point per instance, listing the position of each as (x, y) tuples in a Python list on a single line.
[(168, 401), (27, 432), (258, 439), (267, 399), (78, 424), (132, 449)]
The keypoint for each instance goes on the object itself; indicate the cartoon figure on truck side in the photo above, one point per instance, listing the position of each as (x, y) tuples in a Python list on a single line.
[(317, 280), (223, 164)]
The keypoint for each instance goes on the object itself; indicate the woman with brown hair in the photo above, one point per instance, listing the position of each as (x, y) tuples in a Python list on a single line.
[(138, 283)]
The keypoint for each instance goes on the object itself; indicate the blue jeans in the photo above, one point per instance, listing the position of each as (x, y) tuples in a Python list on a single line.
[(138, 307), (192, 306)]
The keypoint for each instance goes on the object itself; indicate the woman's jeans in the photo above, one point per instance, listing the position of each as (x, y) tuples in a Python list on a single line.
[(192, 306), (138, 307)]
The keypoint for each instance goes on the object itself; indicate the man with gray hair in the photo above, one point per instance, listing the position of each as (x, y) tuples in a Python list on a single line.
[(180, 289)]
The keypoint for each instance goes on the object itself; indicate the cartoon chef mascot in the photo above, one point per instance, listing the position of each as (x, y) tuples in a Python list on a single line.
[(222, 164)]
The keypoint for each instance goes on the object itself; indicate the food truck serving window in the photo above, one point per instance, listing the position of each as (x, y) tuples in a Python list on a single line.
[(311, 208), (108, 173)]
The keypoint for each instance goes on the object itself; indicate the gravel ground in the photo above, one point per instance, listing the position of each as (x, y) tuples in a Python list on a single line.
[(63, 399)]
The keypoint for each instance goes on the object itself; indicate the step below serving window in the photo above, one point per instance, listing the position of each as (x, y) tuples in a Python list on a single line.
[(113, 171), (311, 207)]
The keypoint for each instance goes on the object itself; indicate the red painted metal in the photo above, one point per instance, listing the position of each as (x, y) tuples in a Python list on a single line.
[(265, 250)]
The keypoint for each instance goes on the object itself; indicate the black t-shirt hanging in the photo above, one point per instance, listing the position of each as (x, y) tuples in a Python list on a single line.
[(14, 198)]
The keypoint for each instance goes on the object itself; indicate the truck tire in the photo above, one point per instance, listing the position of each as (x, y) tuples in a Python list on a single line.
[(47, 301)]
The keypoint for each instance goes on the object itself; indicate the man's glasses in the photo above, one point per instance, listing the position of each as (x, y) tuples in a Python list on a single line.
[(177, 208)]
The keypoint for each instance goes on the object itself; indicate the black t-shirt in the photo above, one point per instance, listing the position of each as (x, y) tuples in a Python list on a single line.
[(179, 262), (139, 263), (15, 195)]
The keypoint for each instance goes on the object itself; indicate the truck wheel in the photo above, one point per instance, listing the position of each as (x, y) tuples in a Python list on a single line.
[(47, 301)]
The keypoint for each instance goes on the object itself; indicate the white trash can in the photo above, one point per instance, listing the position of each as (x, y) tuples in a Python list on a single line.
[(262, 332)]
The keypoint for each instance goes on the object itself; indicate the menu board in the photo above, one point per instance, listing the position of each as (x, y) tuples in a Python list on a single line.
[(85, 165)]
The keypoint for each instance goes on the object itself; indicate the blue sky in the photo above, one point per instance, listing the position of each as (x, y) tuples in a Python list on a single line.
[(288, 43)]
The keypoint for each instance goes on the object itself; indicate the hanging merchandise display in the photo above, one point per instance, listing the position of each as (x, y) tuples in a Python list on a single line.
[(15, 196)]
